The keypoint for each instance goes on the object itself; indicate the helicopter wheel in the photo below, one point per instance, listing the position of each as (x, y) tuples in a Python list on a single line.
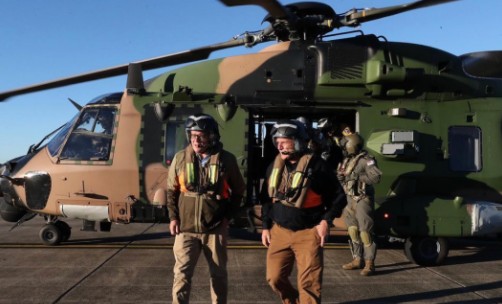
[(426, 251), (51, 235), (65, 230)]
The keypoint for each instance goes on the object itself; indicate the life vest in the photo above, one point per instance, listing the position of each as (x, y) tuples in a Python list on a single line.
[(353, 188), (209, 182), (293, 189)]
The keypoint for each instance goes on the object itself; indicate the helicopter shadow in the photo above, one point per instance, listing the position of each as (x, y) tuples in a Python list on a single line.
[(478, 250), (383, 269), (121, 239), (437, 294), (235, 234)]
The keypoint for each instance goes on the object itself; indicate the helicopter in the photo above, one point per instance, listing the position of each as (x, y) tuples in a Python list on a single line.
[(430, 118)]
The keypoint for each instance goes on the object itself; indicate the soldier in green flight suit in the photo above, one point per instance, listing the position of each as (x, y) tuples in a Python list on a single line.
[(357, 173)]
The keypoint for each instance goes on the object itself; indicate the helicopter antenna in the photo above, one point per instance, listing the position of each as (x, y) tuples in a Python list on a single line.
[(36, 146), (75, 104)]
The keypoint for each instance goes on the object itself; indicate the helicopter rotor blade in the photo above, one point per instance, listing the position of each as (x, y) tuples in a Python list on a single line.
[(355, 17), (273, 7), (148, 64)]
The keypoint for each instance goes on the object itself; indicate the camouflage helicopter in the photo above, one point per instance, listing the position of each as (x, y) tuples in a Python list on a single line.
[(431, 119)]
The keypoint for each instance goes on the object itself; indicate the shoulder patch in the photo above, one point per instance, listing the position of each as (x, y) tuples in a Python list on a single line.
[(370, 162)]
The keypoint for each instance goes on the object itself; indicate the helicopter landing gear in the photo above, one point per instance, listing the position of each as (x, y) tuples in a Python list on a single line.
[(426, 251), (54, 233)]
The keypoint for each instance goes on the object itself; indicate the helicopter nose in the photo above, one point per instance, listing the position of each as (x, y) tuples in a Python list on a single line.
[(8, 210)]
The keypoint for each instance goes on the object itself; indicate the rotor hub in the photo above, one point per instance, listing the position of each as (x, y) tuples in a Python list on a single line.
[(305, 21)]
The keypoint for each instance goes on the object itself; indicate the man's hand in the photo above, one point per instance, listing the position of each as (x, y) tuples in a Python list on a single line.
[(322, 230), (265, 237), (174, 227)]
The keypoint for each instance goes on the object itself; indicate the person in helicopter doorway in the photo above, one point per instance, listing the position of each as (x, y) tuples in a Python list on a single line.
[(314, 143), (203, 179), (331, 150), (300, 197), (357, 173)]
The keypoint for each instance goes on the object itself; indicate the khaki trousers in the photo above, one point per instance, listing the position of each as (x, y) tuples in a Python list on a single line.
[(286, 247), (187, 249)]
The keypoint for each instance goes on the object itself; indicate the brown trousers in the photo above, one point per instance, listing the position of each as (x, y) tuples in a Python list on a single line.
[(286, 247), (187, 249)]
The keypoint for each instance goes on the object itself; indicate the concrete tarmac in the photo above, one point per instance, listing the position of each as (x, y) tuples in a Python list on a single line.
[(133, 264)]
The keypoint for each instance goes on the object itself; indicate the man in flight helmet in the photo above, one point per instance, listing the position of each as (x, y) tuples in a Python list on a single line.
[(300, 197), (358, 173), (203, 124), (205, 180), (295, 133)]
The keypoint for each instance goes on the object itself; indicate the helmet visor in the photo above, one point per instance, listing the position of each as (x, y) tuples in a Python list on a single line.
[(285, 130), (199, 123)]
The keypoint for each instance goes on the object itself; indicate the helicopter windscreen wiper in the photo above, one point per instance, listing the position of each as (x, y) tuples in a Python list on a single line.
[(35, 147)]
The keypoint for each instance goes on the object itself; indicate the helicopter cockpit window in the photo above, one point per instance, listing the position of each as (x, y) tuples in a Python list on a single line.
[(464, 148), (92, 136), (99, 120), (55, 143)]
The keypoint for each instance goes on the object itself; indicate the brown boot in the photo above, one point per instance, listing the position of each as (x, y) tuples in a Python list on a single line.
[(356, 263), (369, 268)]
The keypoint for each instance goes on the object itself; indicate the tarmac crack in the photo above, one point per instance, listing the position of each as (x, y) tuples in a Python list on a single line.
[(463, 288), (99, 266)]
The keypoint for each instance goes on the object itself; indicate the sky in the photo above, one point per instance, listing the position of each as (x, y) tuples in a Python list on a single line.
[(42, 40)]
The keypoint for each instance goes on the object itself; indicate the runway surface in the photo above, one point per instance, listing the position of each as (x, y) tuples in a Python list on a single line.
[(133, 264)]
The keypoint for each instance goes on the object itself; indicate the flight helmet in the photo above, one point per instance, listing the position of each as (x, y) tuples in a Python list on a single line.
[(352, 144), (292, 129), (204, 123)]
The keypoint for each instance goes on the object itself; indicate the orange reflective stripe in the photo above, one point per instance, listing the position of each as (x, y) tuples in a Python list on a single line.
[(312, 199), (183, 187)]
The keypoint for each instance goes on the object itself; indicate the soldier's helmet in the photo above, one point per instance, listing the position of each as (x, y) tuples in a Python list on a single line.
[(292, 129), (324, 123), (204, 123), (304, 120), (352, 144)]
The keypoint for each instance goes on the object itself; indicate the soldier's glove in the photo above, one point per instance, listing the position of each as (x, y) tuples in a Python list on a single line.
[(352, 176)]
